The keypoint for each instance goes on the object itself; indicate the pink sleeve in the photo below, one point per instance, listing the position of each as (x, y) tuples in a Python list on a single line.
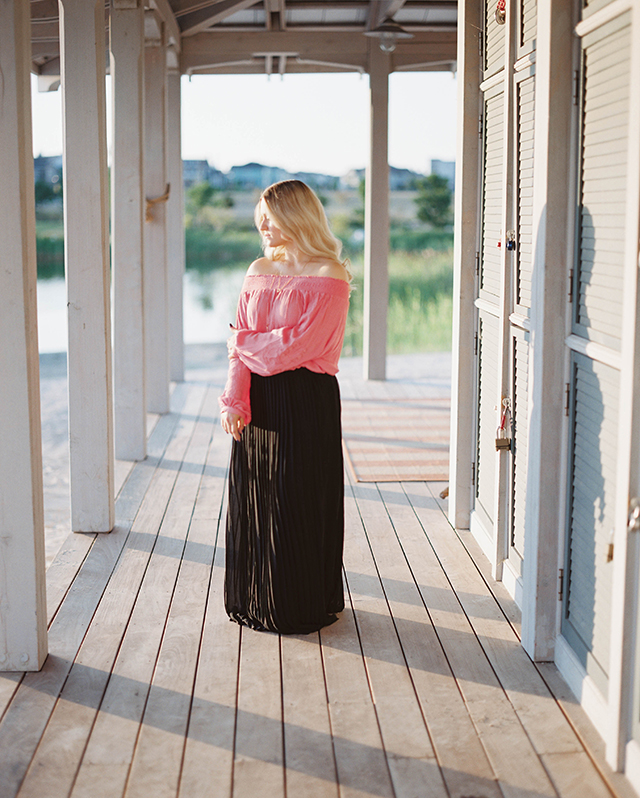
[(319, 329), (236, 396)]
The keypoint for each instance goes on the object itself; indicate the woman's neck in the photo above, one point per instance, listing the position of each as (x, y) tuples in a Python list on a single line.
[(295, 261)]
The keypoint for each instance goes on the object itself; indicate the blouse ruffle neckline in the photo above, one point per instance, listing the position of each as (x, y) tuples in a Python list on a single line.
[(279, 282)]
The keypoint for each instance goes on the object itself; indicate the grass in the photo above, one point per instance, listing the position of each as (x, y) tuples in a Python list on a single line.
[(419, 315)]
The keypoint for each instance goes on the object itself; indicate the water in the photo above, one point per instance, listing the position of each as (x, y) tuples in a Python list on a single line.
[(209, 306)]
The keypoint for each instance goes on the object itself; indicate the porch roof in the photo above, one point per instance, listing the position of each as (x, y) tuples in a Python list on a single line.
[(279, 36)]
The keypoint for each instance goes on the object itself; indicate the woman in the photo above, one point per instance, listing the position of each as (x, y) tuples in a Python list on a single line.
[(281, 404)]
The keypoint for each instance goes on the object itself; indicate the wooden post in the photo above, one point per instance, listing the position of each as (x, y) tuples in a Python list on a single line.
[(156, 314), (175, 221), (127, 227), (86, 223), (376, 220), (552, 156), (622, 744), (464, 257), (23, 616)]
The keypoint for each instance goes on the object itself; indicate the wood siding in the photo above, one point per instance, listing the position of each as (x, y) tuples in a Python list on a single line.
[(492, 193), (528, 21), (524, 197), (593, 450), (520, 414), (494, 39), (488, 351), (602, 199)]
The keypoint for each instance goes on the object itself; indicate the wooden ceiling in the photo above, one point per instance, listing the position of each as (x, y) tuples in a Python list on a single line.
[(279, 36)]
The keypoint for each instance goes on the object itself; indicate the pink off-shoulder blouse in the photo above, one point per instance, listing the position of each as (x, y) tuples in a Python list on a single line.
[(284, 322)]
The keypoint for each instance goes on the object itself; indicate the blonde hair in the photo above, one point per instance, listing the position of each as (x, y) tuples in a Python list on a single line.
[(299, 214)]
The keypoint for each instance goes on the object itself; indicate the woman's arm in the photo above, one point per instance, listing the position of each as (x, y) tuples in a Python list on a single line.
[(319, 329)]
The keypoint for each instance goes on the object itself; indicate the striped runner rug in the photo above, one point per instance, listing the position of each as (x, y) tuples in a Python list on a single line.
[(397, 439)]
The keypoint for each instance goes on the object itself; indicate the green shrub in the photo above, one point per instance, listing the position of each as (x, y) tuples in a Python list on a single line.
[(208, 249)]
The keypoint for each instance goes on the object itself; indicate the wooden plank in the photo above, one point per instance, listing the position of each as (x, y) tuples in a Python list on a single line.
[(158, 756), (28, 714), (574, 775), (463, 762), (26, 718), (110, 748), (530, 697), (73, 551), (409, 752), (497, 724), (209, 749), (585, 730), (360, 759), (61, 749), (210, 501), (258, 766), (121, 474), (309, 757)]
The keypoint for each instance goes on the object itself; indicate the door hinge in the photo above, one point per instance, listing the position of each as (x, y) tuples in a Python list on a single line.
[(567, 394), (475, 344), (576, 86), (480, 125), (473, 473), (560, 583), (478, 262), (481, 46), (570, 285)]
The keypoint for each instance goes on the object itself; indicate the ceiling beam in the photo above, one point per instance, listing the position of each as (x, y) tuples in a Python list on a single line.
[(243, 53), (48, 29), (379, 10), (173, 30), (197, 21), (44, 9), (275, 11)]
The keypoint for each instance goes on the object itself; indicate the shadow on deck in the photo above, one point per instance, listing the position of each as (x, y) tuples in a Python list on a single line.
[(420, 689)]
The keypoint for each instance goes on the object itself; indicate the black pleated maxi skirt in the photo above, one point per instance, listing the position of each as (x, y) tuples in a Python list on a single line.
[(285, 522)]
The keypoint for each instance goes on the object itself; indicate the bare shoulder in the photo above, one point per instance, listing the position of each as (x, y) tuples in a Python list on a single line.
[(261, 266), (333, 269)]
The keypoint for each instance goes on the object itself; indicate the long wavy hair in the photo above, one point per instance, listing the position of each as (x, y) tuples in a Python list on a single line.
[(299, 214)]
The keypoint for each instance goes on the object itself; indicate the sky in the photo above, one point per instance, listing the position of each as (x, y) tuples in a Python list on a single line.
[(302, 123)]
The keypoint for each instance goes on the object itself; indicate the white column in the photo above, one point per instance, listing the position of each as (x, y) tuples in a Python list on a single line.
[(156, 313), (86, 223), (23, 620), (376, 220), (552, 156), (465, 245), (175, 224), (127, 227), (624, 674)]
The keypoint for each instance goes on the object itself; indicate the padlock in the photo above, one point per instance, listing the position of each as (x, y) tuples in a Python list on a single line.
[(502, 441), (511, 240)]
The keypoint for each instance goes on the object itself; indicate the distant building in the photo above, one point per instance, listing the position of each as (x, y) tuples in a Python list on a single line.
[(351, 179), (255, 175), (47, 168), (399, 179), (194, 171), (445, 169), (402, 179), (317, 181)]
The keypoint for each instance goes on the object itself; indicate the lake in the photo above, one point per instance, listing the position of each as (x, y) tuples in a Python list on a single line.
[(209, 306)]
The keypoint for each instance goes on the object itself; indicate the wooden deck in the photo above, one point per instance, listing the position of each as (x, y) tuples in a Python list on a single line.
[(420, 689)]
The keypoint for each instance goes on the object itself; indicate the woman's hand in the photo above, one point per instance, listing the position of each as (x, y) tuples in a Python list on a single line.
[(232, 423)]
